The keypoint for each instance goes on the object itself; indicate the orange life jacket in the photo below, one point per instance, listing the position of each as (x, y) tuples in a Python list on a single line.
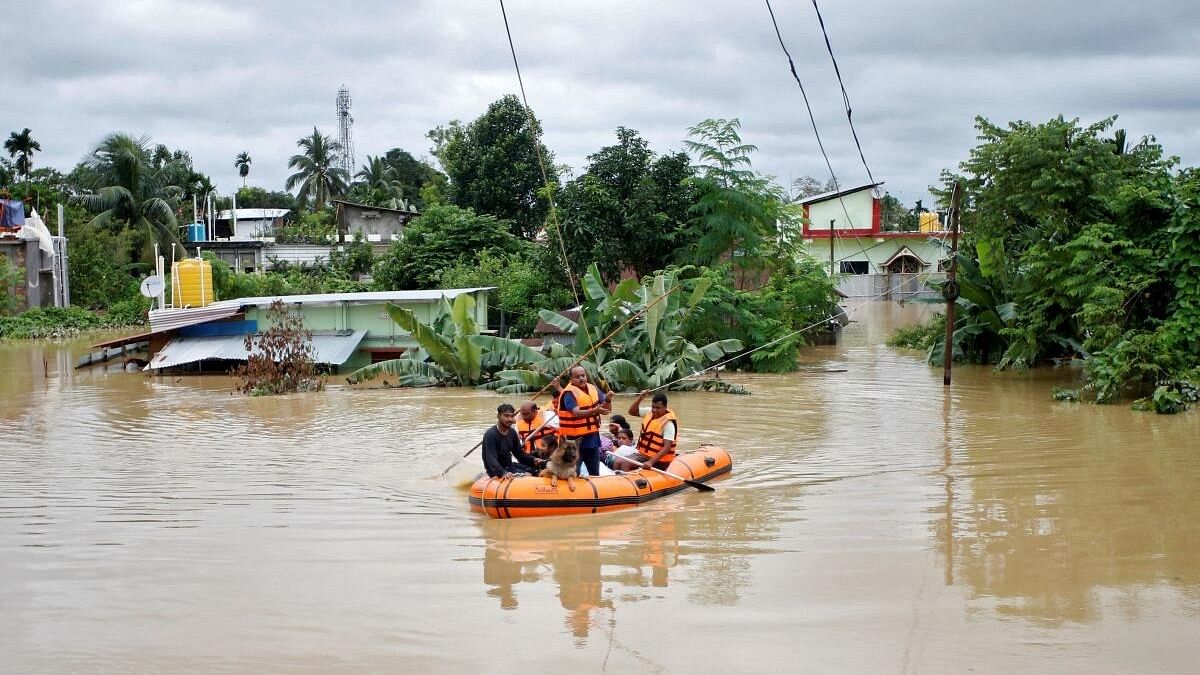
[(571, 426), (650, 441), (525, 428)]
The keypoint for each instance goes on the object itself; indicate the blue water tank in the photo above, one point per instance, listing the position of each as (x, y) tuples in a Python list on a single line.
[(195, 232)]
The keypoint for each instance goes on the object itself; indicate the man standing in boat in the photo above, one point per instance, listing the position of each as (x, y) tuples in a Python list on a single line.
[(533, 426), (580, 406), (660, 432), (501, 443)]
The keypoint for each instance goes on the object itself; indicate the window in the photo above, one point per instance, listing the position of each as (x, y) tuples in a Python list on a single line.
[(856, 267)]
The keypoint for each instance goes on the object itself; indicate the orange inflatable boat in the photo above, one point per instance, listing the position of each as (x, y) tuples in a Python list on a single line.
[(527, 496)]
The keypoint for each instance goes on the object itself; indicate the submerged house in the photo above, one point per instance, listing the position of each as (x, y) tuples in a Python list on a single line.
[(845, 228), (349, 330)]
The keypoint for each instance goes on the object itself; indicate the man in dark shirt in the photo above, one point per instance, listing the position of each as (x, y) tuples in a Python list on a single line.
[(501, 443)]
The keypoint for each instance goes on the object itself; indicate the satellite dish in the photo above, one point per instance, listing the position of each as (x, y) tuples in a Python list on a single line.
[(877, 192), (152, 286)]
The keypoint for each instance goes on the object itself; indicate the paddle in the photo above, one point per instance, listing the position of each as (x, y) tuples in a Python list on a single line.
[(458, 461), (691, 483)]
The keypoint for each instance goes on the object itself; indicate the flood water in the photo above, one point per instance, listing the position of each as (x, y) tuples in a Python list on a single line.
[(874, 523)]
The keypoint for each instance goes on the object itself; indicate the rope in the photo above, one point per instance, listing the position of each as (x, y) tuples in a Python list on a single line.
[(537, 146)]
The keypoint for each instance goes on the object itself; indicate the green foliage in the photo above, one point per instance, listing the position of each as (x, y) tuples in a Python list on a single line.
[(318, 178), (22, 146), (437, 240), (42, 323), (130, 187), (920, 335), (10, 279), (1083, 246), (524, 282), (797, 296), (99, 264), (313, 227), (446, 341), (356, 258), (492, 164), (629, 209), (259, 198), (738, 211), (243, 162)]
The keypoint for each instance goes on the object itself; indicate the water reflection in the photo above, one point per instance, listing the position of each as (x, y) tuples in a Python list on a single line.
[(586, 558)]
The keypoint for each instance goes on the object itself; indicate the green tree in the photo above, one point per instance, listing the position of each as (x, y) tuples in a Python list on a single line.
[(242, 162), (493, 165), (437, 240), (1078, 231), (410, 175), (738, 212), (22, 146), (525, 282), (259, 198), (628, 209), (317, 176), (131, 191)]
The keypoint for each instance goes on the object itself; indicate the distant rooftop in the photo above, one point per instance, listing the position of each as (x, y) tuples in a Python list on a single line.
[(824, 196), (253, 214)]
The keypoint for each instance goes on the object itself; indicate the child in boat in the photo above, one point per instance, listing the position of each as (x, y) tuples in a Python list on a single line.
[(623, 447)]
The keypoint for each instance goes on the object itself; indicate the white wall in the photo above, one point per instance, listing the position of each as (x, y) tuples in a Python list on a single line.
[(859, 205)]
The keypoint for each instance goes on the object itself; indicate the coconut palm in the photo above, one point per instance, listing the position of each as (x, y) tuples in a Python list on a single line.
[(377, 175), (317, 175), (242, 162), (22, 144), (130, 189)]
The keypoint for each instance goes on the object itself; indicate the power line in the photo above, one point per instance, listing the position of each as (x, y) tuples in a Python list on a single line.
[(845, 96)]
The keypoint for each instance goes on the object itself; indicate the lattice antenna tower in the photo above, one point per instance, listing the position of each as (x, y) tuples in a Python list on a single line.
[(345, 130)]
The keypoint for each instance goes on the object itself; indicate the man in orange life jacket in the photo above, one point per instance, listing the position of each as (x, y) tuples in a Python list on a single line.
[(660, 432), (580, 406), (529, 419)]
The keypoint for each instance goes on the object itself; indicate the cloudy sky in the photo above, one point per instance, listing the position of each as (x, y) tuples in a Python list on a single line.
[(219, 77)]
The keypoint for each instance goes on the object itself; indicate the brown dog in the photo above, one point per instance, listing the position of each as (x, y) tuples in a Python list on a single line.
[(563, 461)]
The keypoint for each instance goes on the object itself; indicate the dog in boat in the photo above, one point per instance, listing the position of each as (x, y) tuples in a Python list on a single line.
[(562, 462)]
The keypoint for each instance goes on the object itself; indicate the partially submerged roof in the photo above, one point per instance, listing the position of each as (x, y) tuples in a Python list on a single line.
[(331, 347), (170, 319), (825, 196)]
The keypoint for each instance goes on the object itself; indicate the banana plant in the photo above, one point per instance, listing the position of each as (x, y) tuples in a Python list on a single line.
[(447, 356), (649, 352)]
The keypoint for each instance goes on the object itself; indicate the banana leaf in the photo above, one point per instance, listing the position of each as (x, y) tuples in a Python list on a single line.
[(409, 372), (439, 348), (503, 351)]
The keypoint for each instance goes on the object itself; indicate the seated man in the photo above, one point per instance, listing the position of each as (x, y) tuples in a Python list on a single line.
[(659, 435), (501, 443)]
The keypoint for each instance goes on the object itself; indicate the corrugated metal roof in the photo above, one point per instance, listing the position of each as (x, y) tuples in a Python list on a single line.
[(432, 295), (333, 348), (168, 319)]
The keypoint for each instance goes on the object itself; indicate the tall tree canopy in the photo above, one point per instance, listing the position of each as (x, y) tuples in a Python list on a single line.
[(22, 146), (243, 162), (629, 209), (318, 175), (493, 167), (437, 240), (127, 189)]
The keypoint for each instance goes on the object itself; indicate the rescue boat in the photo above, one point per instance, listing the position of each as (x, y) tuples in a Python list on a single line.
[(530, 496)]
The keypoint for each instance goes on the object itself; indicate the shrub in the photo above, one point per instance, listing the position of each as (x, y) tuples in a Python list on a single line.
[(281, 357)]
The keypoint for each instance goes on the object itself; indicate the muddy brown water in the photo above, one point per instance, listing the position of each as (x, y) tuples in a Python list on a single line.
[(873, 524)]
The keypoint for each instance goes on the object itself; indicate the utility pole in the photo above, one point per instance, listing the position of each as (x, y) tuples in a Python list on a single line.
[(950, 289), (831, 222)]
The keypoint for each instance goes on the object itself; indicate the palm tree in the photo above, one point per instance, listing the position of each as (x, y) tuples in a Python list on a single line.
[(377, 175), (22, 144), (317, 175), (242, 162), (131, 190)]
